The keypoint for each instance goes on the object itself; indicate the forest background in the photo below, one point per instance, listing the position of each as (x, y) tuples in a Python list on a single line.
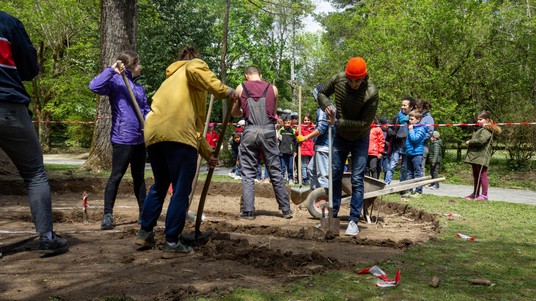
[(463, 56)]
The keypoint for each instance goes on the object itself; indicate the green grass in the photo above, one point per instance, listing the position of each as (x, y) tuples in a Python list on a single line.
[(504, 252)]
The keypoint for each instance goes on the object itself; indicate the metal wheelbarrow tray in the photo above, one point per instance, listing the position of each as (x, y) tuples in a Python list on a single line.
[(318, 198)]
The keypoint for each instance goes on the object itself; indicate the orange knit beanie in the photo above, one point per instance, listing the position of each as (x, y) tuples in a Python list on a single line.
[(356, 68)]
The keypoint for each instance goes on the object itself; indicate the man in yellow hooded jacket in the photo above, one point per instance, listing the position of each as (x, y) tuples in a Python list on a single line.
[(174, 137)]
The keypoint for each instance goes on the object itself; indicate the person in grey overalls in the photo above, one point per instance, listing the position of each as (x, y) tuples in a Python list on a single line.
[(258, 103)]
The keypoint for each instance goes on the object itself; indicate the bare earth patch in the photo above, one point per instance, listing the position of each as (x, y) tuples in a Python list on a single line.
[(267, 251)]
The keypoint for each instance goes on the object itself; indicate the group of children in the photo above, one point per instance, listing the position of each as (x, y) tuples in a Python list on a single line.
[(378, 154), (415, 142)]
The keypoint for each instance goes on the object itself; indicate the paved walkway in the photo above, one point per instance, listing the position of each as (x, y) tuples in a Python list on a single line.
[(519, 196)]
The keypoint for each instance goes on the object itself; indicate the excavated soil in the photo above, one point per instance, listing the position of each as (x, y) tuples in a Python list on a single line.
[(256, 253)]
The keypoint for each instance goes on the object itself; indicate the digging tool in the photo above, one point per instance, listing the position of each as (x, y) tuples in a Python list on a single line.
[(132, 98), (210, 173), (299, 194), (330, 224)]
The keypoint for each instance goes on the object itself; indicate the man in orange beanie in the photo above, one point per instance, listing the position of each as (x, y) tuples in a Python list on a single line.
[(355, 101)]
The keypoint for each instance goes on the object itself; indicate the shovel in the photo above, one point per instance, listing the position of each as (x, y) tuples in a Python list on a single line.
[(132, 98), (299, 195), (204, 193), (331, 225)]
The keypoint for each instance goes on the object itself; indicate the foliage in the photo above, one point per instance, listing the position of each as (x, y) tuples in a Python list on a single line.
[(463, 56), (64, 34)]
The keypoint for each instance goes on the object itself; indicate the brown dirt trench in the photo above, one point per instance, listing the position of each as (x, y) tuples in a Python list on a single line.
[(256, 253)]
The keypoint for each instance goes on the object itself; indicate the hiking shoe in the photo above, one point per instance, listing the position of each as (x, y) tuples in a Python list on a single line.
[(247, 215), (469, 197), (482, 198), (55, 245), (287, 214), (145, 239), (352, 229), (107, 222), (176, 250)]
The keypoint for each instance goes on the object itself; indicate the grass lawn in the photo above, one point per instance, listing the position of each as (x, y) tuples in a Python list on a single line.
[(504, 252)]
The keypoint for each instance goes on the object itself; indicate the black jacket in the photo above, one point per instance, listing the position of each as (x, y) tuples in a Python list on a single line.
[(18, 60)]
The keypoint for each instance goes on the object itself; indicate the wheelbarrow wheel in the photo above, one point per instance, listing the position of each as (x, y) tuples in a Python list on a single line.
[(317, 199)]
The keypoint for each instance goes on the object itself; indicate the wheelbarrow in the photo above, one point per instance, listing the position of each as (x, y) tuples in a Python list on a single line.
[(317, 199)]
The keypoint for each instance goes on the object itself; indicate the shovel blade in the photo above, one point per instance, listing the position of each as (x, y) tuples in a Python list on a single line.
[(331, 224), (299, 194)]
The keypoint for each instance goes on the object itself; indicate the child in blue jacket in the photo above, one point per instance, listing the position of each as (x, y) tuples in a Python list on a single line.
[(415, 148)]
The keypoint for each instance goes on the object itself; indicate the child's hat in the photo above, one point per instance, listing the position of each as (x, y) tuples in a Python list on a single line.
[(436, 134)]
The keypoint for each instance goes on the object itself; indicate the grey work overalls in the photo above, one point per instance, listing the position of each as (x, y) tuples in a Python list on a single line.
[(260, 137)]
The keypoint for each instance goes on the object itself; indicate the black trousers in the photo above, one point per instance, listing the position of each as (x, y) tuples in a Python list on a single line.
[(122, 156)]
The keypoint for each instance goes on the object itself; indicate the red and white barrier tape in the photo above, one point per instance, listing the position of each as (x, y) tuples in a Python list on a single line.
[(373, 125)]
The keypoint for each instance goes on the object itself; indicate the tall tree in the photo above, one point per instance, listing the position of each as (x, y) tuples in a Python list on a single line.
[(117, 33)]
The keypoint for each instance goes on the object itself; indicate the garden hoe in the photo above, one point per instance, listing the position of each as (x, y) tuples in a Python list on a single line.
[(330, 225), (300, 193)]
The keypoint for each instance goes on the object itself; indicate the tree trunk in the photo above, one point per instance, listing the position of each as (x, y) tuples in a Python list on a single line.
[(117, 33)]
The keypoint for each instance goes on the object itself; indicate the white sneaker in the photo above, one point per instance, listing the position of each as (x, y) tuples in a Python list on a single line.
[(238, 178), (257, 181), (352, 229), (232, 174)]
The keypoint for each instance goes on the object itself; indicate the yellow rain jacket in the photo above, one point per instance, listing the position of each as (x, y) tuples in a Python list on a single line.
[(179, 106)]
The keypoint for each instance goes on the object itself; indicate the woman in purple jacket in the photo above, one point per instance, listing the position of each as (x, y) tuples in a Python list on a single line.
[(127, 130)]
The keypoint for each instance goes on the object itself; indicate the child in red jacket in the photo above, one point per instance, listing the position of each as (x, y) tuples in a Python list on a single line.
[(375, 151)]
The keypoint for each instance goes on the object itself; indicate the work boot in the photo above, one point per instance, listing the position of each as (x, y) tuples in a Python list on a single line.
[(176, 250), (288, 214), (145, 239), (107, 222), (352, 229), (55, 245)]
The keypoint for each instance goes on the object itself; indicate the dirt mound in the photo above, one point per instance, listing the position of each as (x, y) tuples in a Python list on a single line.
[(238, 253)]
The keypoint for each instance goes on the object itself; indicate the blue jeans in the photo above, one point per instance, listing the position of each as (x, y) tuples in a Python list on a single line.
[(172, 163), (359, 151), (287, 162), (19, 141), (304, 170), (318, 170), (393, 162), (415, 169)]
